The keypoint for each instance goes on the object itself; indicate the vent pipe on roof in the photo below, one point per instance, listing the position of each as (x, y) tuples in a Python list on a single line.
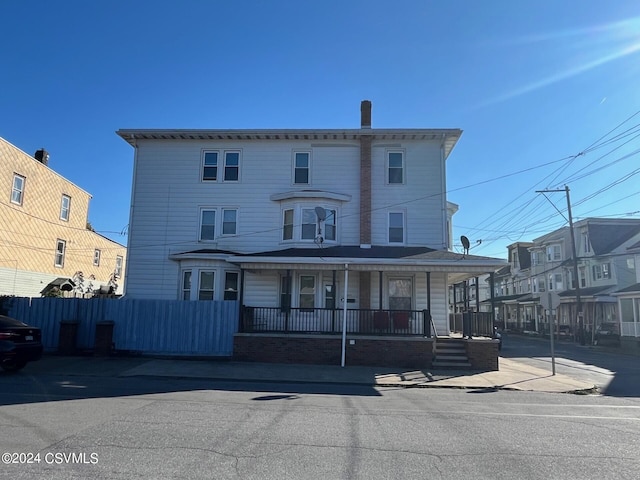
[(42, 156)]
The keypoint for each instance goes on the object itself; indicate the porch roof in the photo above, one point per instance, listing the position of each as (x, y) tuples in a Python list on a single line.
[(635, 288), (375, 258)]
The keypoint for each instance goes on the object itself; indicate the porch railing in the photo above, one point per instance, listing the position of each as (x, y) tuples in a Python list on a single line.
[(474, 324), (330, 321)]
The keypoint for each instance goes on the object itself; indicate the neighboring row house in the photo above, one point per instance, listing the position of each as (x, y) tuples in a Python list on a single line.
[(540, 280), (46, 244), (280, 220)]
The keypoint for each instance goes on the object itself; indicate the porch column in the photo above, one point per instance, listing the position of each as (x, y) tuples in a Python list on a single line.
[(492, 293), (477, 296), (380, 290), (455, 302), (429, 291), (334, 293), (241, 309)]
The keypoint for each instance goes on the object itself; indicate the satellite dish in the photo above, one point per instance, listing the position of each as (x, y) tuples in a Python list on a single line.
[(465, 243), (321, 213)]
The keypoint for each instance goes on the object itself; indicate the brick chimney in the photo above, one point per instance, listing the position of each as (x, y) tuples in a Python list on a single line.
[(365, 114), (365, 199)]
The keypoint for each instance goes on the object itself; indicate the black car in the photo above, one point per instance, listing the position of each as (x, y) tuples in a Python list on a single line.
[(19, 344)]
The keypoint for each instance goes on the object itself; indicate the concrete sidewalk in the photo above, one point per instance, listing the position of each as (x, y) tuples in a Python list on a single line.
[(512, 375)]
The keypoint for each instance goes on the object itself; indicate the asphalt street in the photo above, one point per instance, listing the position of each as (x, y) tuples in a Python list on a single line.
[(144, 427)]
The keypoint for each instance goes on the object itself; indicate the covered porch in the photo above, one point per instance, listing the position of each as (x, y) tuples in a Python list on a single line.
[(379, 297)]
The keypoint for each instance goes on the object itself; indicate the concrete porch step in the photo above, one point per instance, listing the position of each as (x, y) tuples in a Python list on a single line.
[(439, 364)]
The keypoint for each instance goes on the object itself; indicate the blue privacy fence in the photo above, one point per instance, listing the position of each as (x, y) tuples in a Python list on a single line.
[(167, 327)]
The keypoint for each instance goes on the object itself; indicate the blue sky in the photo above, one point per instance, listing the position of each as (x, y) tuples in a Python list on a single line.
[(533, 84)]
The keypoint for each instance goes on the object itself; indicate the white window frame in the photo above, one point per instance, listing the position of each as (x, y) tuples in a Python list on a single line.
[(118, 270), (17, 192), (388, 167), (227, 166), (186, 284), (205, 166), (230, 290), (400, 278), (201, 224), (225, 222), (213, 285), (313, 294), (61, 247), (65, 209), (558, 281), (586, 245), (554, 253), (288, 228), (96, 257), (295, 167), (304, 223), (404, 227)]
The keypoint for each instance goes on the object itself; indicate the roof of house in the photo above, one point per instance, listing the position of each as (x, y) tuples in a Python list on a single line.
[(448, 136), (588, 292), (604, 238), (632, 288)]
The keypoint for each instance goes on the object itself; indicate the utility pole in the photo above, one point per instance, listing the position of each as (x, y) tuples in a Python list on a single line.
[(576, 279)]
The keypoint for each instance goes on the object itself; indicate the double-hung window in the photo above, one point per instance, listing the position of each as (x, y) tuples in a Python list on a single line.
[(65, 206), (396, 227), (186, 285), (118, 270), (301, 168), (308, 224), (307, 297), (231, 286), (61, 247), (17, 191), (554, 253), (96, 258), (231, 166), (330, 225), (207, 225), (395, 167), (229, 221), (210, 166), (287, 225), (206, 290)]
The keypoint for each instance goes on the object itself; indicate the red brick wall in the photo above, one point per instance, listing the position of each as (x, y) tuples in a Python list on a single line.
[(483, 354), (406, 352)]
